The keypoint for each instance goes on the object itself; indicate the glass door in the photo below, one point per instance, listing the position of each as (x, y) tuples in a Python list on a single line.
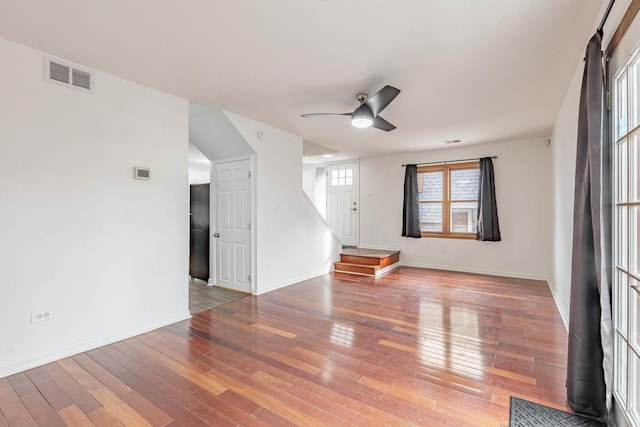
[(626, 283)]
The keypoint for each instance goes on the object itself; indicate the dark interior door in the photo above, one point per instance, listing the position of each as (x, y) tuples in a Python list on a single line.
[(199, 234)]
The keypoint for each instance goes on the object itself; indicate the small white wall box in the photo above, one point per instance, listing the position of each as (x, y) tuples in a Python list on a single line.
[(140, 172)]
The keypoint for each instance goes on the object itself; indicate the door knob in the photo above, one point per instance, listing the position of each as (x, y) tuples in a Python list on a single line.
[(354, 209), (216, 234)]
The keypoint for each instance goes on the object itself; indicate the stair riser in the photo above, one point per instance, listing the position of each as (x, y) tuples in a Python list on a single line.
[(354, 259), (363, 260), (371, 271)]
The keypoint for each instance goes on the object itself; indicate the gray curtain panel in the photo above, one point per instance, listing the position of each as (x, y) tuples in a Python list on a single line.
[(488, 227), (410, 208), (590, 357)]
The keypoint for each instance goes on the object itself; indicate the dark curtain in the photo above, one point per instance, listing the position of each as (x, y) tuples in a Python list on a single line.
[(488, 227), (589, 364), (410, 207)]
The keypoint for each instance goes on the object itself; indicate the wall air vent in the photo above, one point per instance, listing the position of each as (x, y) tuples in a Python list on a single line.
[(67, 74)]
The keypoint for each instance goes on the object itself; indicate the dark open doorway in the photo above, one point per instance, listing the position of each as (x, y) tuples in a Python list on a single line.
[(199, 232)]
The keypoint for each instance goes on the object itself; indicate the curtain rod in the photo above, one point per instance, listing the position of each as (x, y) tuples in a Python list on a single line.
[(606, 15), (450, 161)]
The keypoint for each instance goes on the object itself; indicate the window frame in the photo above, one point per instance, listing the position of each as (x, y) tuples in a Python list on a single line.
[(625, 132), (446, 169)]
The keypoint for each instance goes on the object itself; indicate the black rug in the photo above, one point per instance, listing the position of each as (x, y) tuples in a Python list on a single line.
[(529, 414)]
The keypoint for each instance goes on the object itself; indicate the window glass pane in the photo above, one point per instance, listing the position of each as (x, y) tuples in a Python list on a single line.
[(464, 217), (431, 217), (464, 184), (622, 237), (633, 88), (431, 186), (634, 311), (334, 174), (634, 239), (334, 182), (621, 367), (621, 106), (634, 169), (621, 172), (634, 381), (349, 172), (349, 181), (632, 81), (621, 292)]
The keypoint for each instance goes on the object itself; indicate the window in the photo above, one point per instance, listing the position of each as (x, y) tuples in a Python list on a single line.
[(626, 198), (448, 199), (341, 177)]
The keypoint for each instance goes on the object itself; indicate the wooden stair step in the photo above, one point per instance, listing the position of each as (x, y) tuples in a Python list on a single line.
[(369, 262), (356, 268), (381, 261)]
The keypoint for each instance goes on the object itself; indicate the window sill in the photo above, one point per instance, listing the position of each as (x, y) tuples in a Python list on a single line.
[(463, 236)]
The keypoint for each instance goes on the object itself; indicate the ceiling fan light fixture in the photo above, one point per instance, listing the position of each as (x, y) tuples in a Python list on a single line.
[(361, 121)]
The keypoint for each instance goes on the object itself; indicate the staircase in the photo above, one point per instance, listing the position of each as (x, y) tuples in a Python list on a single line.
[(368, 262)]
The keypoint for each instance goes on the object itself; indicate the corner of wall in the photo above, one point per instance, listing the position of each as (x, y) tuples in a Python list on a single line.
[(563, 314)]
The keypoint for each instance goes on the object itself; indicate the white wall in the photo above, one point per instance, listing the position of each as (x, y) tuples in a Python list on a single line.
[(314, 183), (523, 184), (563, 147), (309, 181), (211, 132), (107, 254), (199, 166), (293, 242), (199, 175)]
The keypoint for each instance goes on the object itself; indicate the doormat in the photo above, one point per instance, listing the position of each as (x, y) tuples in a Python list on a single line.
[(529, 414)]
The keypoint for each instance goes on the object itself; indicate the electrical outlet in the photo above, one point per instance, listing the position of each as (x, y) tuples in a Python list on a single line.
[(40, 316)]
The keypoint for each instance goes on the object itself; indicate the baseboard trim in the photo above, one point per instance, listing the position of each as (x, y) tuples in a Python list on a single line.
[(476, 271), (387, 269), (292, 281), (563, 314), (24, 364)]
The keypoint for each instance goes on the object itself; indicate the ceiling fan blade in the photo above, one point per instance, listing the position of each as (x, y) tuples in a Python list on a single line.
[(382, 98), (380, 123), (306, 116)]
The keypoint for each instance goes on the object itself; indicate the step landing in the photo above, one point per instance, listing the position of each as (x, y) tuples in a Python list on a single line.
[(368, 262)]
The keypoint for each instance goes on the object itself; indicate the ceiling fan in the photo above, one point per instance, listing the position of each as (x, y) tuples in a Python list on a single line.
[(366, 115)]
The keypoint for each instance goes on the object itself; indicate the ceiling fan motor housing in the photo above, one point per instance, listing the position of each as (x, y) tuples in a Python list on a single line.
[(362, 98), (363, 110), (362, 117)]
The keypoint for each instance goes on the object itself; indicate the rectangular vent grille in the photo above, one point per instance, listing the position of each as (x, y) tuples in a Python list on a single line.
[(81, 79), (58, 72), (67, 74)]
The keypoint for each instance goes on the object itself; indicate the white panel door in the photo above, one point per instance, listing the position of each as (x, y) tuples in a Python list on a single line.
[(342, 202), (233, 225)]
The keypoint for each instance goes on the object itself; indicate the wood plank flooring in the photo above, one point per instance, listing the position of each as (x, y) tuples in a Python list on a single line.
[(415, 347), (203, 297)]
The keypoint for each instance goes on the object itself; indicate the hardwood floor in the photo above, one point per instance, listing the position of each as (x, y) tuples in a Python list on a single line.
[(415, 347), (203, 297)]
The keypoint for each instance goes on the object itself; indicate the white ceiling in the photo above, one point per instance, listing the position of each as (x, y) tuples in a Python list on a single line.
[(476, 70)]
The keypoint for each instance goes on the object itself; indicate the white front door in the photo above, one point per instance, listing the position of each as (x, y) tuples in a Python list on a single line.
[(342, 201), (233, 225)]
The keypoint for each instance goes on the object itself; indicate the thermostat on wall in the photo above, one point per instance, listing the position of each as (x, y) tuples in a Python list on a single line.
[(140, 172)]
